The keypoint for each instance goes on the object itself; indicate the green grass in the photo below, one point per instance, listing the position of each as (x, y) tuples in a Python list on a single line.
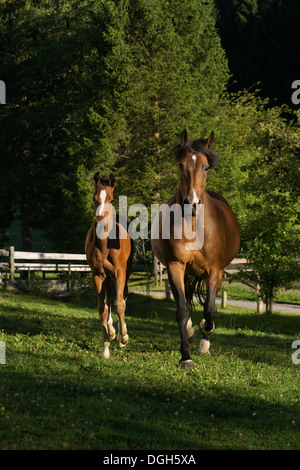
[(57, 392)]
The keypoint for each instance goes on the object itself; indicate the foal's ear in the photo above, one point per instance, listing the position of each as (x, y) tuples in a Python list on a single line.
[(96, 178), (112, 180), (184, 138), (209, 141)]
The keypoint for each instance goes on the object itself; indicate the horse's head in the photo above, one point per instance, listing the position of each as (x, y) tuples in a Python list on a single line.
[(104, 192), (194, 159)]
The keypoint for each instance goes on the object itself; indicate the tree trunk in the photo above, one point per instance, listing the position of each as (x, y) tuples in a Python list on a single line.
[(269, 301)]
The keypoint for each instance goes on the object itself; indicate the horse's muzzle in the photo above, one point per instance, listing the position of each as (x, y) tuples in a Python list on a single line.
[(195, 207)]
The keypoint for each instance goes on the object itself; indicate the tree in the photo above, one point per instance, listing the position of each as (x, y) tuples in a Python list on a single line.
[(100, 85), (271, 221)]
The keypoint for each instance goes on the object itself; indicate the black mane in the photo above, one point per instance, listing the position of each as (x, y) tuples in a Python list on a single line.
[(197, 145)]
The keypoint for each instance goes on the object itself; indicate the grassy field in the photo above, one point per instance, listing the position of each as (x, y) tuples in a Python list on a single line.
[(57, 392)]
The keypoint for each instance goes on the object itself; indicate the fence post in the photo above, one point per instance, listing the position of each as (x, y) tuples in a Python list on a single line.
[(160, 274), (12, 262), (155, 270), (260, 305), (224, 299), (168, 289), (69, 277)]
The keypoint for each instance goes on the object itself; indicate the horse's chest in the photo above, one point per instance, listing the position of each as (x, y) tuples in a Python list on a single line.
[(196, 265)]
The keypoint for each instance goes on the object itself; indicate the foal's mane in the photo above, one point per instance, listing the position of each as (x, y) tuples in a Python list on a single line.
[(197, 145)]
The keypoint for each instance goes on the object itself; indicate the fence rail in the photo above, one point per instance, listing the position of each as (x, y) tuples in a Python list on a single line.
[(22, 261), (59, 262)]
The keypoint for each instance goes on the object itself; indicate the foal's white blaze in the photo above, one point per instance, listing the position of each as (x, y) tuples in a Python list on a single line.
[(100, 208), (195, 197), (194, 158)]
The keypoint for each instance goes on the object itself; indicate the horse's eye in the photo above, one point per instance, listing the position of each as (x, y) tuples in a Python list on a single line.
[(180, 166), (206, 168)]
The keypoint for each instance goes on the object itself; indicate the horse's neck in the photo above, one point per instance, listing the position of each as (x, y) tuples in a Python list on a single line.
[(179, 199)]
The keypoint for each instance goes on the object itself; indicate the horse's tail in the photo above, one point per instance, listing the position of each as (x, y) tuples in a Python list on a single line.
[(195, 287), (200, 289)]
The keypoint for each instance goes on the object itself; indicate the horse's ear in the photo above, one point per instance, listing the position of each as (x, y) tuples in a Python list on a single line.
[(209, 141), (112, 180), (184, 138), (96, 178)]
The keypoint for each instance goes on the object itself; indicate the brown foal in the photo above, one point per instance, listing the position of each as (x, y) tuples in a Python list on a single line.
[(108, 250)]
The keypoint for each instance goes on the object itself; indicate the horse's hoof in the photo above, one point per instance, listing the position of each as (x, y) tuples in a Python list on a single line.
[(202, 327), (191, 338), (123, 340), (106, 353), (112, 336), (204, 346), (187, 364)]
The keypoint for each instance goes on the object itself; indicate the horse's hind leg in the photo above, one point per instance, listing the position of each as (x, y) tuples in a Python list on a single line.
[(111, 330), (207, 325), (120, 305)]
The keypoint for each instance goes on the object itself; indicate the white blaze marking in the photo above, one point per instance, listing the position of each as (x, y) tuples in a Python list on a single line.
[(100, 208), (195, 197), (194, 158)]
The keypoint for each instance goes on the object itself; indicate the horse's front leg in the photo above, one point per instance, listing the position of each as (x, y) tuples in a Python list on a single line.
[(176, 278), (103, 308), (207, 325)]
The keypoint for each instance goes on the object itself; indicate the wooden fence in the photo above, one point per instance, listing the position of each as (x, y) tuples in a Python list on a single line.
[(12, 261)]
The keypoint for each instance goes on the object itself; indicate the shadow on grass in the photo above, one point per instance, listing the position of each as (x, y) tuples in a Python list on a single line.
[(57, 413)]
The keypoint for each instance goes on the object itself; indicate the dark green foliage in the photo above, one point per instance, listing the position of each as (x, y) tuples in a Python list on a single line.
[(261, 42)]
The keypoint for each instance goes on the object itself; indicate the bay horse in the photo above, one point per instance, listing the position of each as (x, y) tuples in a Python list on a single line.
[(109, 252), (206, 263)]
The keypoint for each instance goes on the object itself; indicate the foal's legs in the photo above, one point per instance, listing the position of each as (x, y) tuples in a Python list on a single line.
[(207, 325), (104, 313), (176, 279), (120, 305), (111, 330)]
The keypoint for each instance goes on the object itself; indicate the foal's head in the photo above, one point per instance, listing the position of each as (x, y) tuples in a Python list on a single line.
[(104, 192), (194, 159)]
